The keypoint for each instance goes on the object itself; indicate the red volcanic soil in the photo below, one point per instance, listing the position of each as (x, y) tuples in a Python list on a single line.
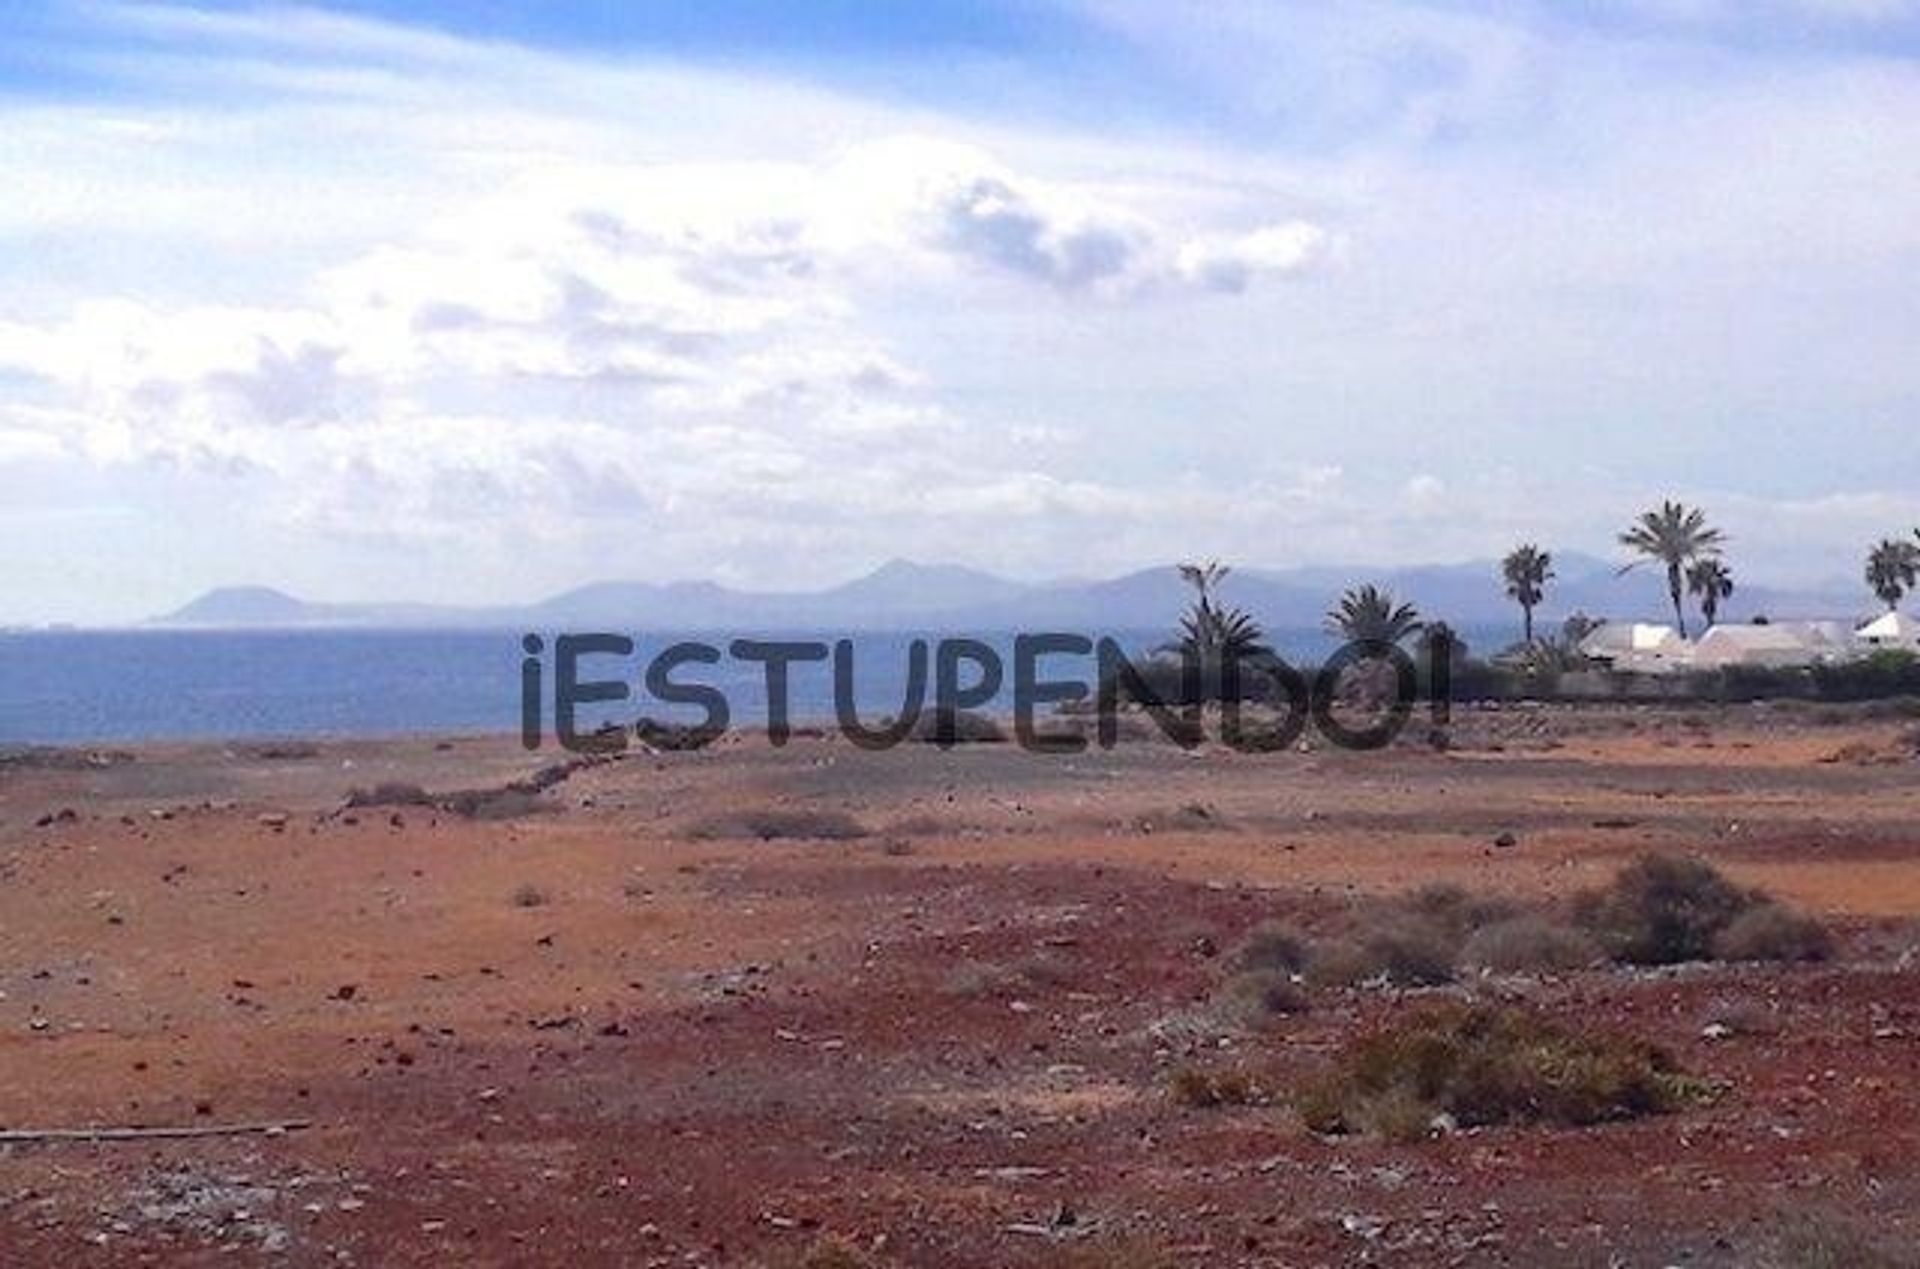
[(607, 1024)]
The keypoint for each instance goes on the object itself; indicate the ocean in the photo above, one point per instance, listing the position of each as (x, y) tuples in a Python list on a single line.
[(91, 686)]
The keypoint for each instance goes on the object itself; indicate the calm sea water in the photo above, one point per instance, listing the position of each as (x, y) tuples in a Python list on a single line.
[(63, 687)]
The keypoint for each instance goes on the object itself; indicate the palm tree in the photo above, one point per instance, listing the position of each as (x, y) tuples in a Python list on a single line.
[(1210, 631), (1712, 582), (1674, 536), (1527, 572), (1369, 613), (1892, 569)]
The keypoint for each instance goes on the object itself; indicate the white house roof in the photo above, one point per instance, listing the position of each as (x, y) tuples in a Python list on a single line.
[(1618, 637), (1891, 625), (1769, 638)]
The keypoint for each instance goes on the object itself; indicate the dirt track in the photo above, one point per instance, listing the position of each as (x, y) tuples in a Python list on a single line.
[(602, 1033)]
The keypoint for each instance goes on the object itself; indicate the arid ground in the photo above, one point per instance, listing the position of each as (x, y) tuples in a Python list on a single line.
[(823, 1006)]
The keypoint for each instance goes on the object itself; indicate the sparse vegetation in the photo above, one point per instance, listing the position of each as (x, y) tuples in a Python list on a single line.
[(937, 726), (528, 895), (779, 824), (1821, 1240), (1482, 1065), (833, 1252)]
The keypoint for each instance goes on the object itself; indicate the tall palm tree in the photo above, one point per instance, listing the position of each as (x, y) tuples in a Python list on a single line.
[(1674, 536), (1527, 571), (1367, 612), (1892, 569), (1710, 580)]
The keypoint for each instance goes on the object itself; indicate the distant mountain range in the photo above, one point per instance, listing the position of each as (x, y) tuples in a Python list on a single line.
[(902, 595)]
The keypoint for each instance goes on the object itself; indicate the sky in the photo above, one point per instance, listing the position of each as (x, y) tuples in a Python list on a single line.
[(474, 302)]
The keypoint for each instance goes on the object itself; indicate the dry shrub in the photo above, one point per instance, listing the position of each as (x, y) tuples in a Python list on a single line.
[(1458, 910), (990, 978), (390, 793), (504, 803), (1192, 817), (528, 895), (1663, 909), (1740, 1015), (1773, 932), (1203, 1089), (1491, 1064), (779, 823), (1273, 946), (1402, 949), (956, 727), (1258, 996), (673, 737), (1528, 944)]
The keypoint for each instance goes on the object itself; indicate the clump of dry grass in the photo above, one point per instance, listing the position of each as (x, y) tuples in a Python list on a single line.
[(778, 824), (1274, 947), (1189, 817), (390, 793), (988, 978), (1528, 944), (1207, 1089), (1773, 932), (1398, 948), (1491, 1064), (1258, 996), (528, 895)]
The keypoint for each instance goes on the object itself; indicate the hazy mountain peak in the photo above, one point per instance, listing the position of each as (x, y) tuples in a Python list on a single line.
[(240, 606)]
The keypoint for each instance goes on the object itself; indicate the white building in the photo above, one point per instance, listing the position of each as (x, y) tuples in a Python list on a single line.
[(1638, 647), (1891, 630), (1780, 645)]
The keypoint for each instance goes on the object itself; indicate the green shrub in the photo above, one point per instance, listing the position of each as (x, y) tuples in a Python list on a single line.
[(1488, 1064)]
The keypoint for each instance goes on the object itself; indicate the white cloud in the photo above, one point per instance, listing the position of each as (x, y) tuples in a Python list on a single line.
[(349, 280)]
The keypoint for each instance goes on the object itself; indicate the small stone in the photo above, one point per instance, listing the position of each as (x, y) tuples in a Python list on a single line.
[(1506, 841)]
